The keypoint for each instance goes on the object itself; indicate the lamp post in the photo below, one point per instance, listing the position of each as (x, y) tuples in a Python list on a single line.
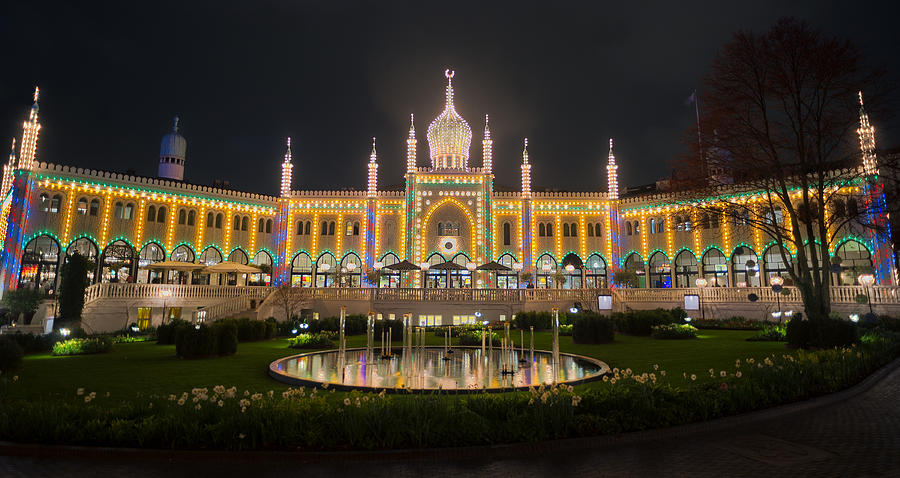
[(867, 280), (701, 283), (777, 283), (165, 294)]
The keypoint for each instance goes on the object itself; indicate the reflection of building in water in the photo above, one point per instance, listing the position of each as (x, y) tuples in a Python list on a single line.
[(441, 230)]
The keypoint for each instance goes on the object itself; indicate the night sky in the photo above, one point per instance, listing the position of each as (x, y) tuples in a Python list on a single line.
[(242, 77)]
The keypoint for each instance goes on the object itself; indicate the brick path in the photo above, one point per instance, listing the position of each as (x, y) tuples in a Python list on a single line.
[(855, 437)]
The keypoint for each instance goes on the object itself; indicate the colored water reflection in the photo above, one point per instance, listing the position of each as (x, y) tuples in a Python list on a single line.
[(432, 369)]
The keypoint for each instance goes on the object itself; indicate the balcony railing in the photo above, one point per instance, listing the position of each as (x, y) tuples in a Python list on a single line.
[(172, 291)]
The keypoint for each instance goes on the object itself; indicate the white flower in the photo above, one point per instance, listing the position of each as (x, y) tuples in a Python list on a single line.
[(79, 392), (738, 374), (723, 373), (180, 401), (655, 366), (198, 407), (693, 377), (346, 401), (87, 399), (220, 403)]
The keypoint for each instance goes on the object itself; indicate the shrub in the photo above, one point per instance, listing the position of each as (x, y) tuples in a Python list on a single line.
[(10, 355), (820, 333), (565, 330), (473, 338), (165, 333), (31, 343), (641, 322), (96, 345), (395, 326), (73, 282), (226, 334), (592, 328), (271, 328), (195, 341), (770, 333), (674, 331), (310, 341), (353, 325), (732, 323)]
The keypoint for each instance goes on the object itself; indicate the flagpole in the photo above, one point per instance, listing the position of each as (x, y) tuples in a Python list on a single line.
[(699, 142)]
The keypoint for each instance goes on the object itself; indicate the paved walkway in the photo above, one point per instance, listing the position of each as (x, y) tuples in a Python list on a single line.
[(856, 437)]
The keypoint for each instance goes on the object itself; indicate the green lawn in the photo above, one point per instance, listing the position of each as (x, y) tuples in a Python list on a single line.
[(146, 368)]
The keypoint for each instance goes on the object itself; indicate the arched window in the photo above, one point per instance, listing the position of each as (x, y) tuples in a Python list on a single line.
[(326, 266), (306, 228), (507, 279), (745, 267), (660, 271), (685, 269), (661, 225), (182, 253), (95, 207), (301, 270), (565, 229), (773, 263), (117, 210), (128, 213), (355, 228), (89, 250), (44, 203), (652, 225), (117, 262), (324, 231), (268, 226), (549, 229), (211, 220), (635, 263), (219, 217), (704, 221), (541, 230), (191, 217), (182, 217), (352, 265), (40, 263), (545, 266), (161, 214), (595, 272), (637, 227), (507, 233), (855, 260), (715, 268), (211, 256), (149, 254), (82, 206), (331, 228), (573, 229), (300, 228), (590, 230), (714, 221), (597, 231), (389, 278), (151, 213), (55, 203), (238, 256), (263, 261), (236, 223), (628, 228), (260, 225), (348, 226), (245, 223)]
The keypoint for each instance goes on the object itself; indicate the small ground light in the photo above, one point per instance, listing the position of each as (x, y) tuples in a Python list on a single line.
[(135, 329), (788, 313), (197, 326), (294, 331), (64, 332), (776, 315), (854, 317), (478, 314), (687, 319), (573, 310), (304, 326)]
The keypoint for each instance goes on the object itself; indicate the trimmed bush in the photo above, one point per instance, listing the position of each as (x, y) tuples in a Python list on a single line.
[(565, 330), (821, 333), (226, 333), (732, 323), (592, 328), (96, 345), (540, 320), (195, 342), (353, 325), (31, 343), (473, 338), (674, 332), (165, 334), (271, 328), (10, 355), (641, 322), (770, 333), (310, 341)]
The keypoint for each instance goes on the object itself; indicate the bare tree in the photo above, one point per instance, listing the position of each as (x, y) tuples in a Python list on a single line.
[(287, 298), (779, 150)]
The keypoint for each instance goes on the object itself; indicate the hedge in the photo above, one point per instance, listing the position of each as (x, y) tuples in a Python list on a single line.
[(592, 328), (97, 345), (641, 322)]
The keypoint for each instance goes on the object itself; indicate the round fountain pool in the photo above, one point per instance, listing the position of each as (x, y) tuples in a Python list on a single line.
[(465, 369)]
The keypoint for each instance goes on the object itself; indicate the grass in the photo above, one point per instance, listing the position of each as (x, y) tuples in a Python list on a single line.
[(147, 369)]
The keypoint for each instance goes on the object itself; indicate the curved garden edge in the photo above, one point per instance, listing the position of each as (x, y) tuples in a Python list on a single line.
[(493, 451)]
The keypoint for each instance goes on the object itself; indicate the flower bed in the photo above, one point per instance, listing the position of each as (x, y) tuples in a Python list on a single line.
[(226, 418), (97, 345), (674, 332)]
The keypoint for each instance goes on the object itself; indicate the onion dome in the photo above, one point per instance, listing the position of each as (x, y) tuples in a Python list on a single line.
[(173, 145), (449, 136)]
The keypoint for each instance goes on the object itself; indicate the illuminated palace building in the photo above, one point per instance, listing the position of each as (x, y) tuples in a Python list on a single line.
[(449, 226)]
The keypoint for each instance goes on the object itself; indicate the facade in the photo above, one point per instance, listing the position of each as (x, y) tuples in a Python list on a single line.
[(448, 221)]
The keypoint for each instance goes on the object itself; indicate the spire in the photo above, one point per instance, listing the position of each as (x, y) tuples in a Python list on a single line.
[(175, 126), (449, 74), (411, 146), (612, 176), (487, 147), (12, 152), (287, 168), (7, 181), (866, 140), (526, 173), (373, 172), (30, 130)]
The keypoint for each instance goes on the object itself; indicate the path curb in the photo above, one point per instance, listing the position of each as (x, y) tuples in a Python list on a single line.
[(473, 452)]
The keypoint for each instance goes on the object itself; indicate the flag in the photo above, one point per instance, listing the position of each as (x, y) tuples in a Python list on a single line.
[(691, 99)]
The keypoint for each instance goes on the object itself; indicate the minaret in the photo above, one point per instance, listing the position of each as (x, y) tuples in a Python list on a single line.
[(8, 169), (612, 175), (411, 146), (612, 227), (526, 173), (527, 240), (373, 171), (866, 141), (172, 151), (487, 148), (30, 131), (287, 167)]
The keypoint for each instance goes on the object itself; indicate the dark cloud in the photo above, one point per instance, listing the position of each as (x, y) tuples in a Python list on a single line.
[(243, 76)]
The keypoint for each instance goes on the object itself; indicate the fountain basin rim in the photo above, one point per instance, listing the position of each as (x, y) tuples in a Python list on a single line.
[(297, 381)]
